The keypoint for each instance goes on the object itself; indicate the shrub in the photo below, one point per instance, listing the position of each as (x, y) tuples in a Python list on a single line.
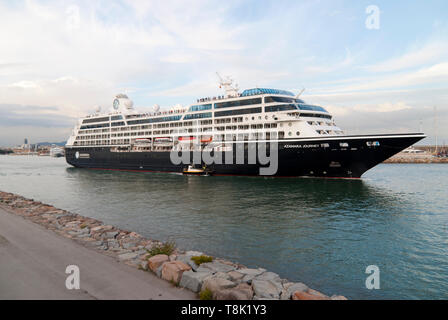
[(201, 259), (206, 294), (164, 248)]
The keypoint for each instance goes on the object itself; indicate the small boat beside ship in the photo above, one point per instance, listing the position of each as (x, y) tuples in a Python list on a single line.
[(193, 171)]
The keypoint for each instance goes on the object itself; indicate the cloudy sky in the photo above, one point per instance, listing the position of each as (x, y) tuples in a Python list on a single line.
[(58, 59)]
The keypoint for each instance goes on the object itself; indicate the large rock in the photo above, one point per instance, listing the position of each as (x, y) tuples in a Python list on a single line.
[(187, 260), (269, 276), (241, 292), (217, 266), (156, 261), (302, 295), (216, 284), (253, 272), (335, 297), (173, 270), (266, 288), (127, 256), (235, 276), (290, 287), (193, 280)]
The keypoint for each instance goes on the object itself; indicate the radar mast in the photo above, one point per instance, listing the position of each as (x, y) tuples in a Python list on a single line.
[(230, 87)]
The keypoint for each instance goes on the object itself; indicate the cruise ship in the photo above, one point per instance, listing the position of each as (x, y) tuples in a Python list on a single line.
[(258, 132)]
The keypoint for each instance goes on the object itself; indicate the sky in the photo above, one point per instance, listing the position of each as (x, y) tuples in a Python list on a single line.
[(380, 69)]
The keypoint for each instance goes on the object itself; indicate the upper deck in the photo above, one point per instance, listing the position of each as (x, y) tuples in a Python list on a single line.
[(257, 112)]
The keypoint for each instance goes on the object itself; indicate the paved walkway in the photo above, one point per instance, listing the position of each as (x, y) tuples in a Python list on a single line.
[(33, 262)]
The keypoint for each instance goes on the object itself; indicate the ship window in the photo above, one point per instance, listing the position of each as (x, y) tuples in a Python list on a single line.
[(310, 107), (95, 120), (201, 107), (281, 107), (237, 112), (278, 99), (237, 103), (198, 116), (93, 126)]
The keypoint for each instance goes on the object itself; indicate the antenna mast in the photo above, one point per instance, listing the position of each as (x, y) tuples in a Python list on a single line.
[(300, 93), (229, 86)]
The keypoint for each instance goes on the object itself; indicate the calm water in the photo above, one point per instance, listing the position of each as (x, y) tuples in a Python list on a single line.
[(321, 232)]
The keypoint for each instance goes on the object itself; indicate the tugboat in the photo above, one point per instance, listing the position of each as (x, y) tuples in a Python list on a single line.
[(191, 170)]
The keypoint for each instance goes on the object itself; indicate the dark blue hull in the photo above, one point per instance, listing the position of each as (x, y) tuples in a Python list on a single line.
[(336, 157)]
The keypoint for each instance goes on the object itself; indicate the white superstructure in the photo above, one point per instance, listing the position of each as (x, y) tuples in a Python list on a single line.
[(254, 114)]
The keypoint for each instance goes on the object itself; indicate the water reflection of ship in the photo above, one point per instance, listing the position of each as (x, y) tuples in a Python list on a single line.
[(287, 193)]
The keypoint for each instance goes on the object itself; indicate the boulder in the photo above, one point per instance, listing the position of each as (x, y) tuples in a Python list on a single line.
[(241, 292), (316, 293), (222, 275), (302, 295), (269, 276), (216, 284), (253, 272), (173, 270), (235, 276), (266, 288), (335, 297), (156, 261), (290, 287), (128, 245), (193, 280), (127, 256), (217, 266), (111, 234), (187, 260)]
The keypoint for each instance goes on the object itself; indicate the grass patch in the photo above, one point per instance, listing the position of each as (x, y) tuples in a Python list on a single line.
[(206, 295), (164, 248), (201, 259)]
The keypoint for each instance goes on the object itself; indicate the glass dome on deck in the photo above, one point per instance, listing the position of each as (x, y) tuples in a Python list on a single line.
[(257, 91)]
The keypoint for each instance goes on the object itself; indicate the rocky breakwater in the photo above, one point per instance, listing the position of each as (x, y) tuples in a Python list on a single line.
[(211, 278)]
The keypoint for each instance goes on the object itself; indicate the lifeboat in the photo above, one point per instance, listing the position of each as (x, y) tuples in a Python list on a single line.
[(142, 141), (163, 140), (206, 139), (187, 139)]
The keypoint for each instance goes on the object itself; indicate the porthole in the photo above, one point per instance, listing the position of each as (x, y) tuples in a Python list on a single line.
[(298, 133), (290, 124), (289, 133)]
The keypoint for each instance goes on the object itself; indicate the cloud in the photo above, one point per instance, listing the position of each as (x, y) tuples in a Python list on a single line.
[(431, 52), (75, 55), (33, 116)]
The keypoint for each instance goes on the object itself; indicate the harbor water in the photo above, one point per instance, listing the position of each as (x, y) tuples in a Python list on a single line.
[(323, 232)]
